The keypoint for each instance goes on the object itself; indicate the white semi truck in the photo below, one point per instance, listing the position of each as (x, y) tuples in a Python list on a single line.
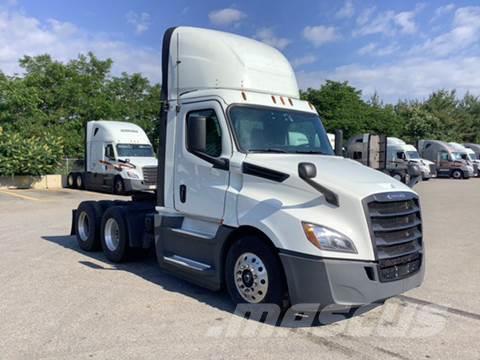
[(399, 153), (119, 158), (250, 196)]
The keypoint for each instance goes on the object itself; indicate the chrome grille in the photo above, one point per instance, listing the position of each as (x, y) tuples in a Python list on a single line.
[(395, 226), (150, 175)]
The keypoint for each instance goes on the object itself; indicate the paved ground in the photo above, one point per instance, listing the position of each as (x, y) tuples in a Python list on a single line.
[(57, 302)]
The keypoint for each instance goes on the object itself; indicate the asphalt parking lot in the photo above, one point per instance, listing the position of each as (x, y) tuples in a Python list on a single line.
[(57, 302)]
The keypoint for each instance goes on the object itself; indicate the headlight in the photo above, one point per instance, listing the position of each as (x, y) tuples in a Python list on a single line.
[(132, 175), (328, 239)]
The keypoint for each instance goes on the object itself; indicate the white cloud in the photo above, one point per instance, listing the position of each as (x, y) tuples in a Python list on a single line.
[(140, 22), (226, 17), (367, 49), (465, 32), (376, 50), (319, 35), (267, 36), (346, 11), (365, 15), (442, 10), (387, 22), (24, 35), (304, 60), (405, 79), (405, 20)]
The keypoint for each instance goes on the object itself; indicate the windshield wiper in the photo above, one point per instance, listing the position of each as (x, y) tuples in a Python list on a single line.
[(268, 150), (310, 152)]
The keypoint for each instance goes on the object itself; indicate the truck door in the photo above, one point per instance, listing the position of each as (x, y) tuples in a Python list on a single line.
[(200, 186)]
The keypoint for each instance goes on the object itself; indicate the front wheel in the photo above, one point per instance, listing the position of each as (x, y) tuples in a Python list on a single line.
[(457, 174), (254, 274), (118, 186)]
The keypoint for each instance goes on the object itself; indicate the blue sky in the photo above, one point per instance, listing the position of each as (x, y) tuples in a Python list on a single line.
[(401, 49)]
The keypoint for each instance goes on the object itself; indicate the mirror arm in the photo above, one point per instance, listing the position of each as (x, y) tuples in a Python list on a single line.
[(218, 163), (330, 196)]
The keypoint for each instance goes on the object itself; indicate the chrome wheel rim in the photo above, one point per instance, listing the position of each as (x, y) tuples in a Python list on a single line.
[(457, 175), (70, 180), (251, 278), (83, 226), (112, 234), (79, 181)]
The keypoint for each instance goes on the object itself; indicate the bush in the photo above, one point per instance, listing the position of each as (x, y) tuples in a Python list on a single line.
[(29, 156)]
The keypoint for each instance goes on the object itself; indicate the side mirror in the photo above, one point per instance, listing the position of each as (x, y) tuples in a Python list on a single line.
[(307, 170), (197, 133), (338, 142)]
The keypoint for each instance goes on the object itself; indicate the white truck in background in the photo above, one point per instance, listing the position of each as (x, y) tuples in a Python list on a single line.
[(400, 153), (119, 158), (250, 196), (448, 161), (373, 151), (468, 155)]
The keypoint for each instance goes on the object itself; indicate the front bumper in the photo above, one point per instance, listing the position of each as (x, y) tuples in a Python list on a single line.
[(137, 185), (320, 281)]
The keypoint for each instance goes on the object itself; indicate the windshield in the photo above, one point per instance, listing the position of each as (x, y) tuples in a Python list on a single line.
[(261, 129), (134, 150), (458, 156), (471, 156), (412, 155)]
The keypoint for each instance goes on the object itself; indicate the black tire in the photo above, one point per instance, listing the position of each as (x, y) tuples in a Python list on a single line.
[(87, 225), (71, 181), (118, 186), (457, 174), (120, 251), (276, 292), (79, 181)]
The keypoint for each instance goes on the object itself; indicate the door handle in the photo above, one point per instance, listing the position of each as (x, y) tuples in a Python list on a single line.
[(183, 193)]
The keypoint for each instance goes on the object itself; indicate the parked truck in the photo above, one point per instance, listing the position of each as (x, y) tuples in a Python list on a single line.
[(468, 155), (373, 151), (119, 158), (475, 148), (250, 196), (448, 161), (400, 154)]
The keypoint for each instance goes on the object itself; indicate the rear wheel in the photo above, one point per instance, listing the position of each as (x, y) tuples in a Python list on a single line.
[(71, 181), (114, 235), (457, 174), (87, 225), (254, 274), (79, 181)]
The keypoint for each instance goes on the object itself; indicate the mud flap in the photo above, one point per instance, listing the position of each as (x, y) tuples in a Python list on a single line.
[(74, 216)]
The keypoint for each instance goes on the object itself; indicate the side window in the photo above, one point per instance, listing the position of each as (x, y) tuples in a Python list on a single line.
[(109, 154), (401, 155), (444, 155), (214, 132)]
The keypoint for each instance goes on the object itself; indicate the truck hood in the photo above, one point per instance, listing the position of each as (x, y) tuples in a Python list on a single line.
[(141, 162), (344, 176)]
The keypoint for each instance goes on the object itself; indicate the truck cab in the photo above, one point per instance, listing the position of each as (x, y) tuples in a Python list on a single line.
[(119, 158), (447, 159), (468, 155), (400, 153), (250, 196)]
